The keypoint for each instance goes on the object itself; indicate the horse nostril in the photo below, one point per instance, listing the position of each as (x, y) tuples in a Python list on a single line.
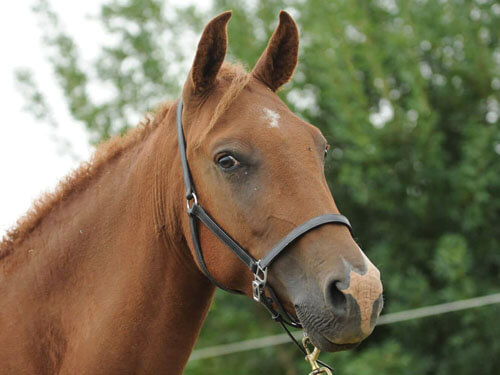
[(335, 299)]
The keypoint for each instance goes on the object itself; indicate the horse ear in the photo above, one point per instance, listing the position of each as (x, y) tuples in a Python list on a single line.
[(277, 63), (210, 53)]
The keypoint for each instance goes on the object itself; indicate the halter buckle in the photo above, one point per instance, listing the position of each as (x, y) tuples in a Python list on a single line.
[(259, 282), (193, 199)]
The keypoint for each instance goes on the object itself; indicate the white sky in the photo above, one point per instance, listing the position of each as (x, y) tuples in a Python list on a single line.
[(29, 160), (30, 163)]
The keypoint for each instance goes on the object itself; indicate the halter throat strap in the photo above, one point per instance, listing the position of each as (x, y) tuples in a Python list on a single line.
[(260, 267)]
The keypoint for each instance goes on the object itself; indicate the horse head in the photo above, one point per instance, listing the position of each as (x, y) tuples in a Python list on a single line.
[(258, 170)]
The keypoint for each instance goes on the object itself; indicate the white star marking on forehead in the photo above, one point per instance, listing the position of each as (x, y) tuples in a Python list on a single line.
[(272, 117)]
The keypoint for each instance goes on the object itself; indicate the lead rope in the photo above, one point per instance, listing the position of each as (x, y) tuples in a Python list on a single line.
[(259, 286)]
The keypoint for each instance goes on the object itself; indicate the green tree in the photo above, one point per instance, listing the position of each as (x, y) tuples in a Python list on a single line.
[(407, 92)]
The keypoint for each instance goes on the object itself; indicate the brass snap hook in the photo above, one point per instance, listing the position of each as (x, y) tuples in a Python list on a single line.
[(312, 358), (190, 203)]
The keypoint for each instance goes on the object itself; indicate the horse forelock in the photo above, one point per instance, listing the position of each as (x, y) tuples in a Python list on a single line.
[(234, 78)]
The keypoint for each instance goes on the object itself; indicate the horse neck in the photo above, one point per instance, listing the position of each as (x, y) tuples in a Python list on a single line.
[(111, 264)]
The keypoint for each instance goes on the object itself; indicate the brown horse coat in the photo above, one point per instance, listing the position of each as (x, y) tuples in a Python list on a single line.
[(100, 277)]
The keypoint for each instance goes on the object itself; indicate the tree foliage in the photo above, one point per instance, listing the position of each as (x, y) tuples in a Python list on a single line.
[(407, 93)]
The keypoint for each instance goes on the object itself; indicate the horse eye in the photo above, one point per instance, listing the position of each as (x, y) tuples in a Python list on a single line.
[(327, 148), (228, 162)]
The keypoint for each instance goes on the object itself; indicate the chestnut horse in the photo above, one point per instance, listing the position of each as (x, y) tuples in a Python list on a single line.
[(101, 276)]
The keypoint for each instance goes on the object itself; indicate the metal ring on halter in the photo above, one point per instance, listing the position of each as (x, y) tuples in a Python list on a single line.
[(260, 273), (195, 202), (259, 281)]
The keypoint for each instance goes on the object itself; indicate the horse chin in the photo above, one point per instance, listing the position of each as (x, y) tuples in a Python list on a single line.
[(325, 331), (325, 345)]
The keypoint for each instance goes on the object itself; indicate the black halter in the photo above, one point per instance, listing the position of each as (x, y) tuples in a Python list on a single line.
[(257, 267)]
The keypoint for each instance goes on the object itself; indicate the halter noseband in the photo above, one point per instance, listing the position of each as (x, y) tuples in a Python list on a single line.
[(257, 267)]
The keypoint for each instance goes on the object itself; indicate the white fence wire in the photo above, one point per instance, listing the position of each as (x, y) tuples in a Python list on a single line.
[(263, 342)]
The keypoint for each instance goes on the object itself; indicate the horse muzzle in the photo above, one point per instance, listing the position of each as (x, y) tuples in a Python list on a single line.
[(346, 314)]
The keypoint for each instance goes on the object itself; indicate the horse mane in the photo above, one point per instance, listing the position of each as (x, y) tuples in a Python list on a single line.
[(78, 179), (233, 75)]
